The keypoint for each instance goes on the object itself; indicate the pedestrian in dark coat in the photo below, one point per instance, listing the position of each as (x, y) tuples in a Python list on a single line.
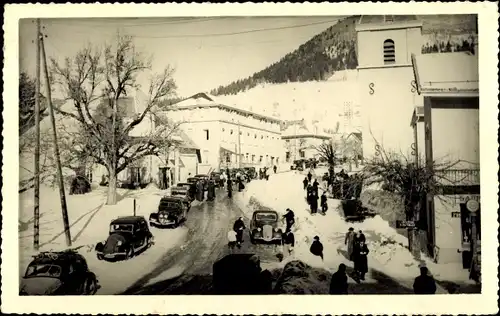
[(288, 240), (305, 182), (315, 183), (241, 186), (360, 237), (350, 240), (424, 283), (317, 247), (238, 227), (314, 203), (309, 194), (289, 218), (309, 176), (316, 188), (200, 192), (275, 168), (324, 202), (229, 188), (338, 284), (361, 259), (211, 190)]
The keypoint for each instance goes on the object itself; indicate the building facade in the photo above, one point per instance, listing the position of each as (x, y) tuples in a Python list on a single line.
[(386, 81), (228, 136), (301, 141), (449, 130)]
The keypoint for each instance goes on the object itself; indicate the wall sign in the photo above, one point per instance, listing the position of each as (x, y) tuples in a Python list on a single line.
[(455, 214), (472, 205), (371, 86), (413, 85)]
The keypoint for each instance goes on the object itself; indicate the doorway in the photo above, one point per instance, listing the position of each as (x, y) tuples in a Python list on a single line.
[(164, 181)]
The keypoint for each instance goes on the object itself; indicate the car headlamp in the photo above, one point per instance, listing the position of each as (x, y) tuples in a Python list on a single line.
[(275, 229), (119, 243), (259, 229)]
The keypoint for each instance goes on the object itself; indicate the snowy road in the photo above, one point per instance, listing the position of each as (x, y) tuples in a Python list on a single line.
[(186, 269)]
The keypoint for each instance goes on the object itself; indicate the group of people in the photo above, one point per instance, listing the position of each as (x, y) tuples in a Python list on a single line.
[(357, 251), (312, 195), (263, 173)]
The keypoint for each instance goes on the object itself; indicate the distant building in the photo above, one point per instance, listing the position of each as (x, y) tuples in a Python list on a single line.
[(386, 82), (226, 135), (173, 165), (447, 131), (302, 141)]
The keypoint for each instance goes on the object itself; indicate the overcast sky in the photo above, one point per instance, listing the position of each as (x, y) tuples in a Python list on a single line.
[(204, 59)]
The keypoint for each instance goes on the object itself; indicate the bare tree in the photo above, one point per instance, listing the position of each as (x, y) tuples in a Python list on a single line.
[(96, 81), (410, 181), (328, 151)]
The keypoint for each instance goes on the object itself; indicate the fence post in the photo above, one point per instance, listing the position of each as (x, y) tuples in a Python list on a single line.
[(134, 206)]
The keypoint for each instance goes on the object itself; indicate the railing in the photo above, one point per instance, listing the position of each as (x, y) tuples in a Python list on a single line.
[(458, 177)]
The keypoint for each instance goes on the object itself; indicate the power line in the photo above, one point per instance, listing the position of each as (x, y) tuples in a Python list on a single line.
[(238, 33), (183, 21)]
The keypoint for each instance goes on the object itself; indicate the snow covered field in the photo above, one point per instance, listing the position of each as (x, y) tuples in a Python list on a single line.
[(89, 219), (388, 252)]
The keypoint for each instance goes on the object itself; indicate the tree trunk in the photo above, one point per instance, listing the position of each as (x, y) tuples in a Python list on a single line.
[(112, 187)]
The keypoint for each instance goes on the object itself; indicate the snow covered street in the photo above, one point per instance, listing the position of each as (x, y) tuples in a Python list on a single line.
[(392, 267)]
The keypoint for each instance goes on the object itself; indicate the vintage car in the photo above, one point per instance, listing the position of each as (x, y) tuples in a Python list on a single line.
[(128, 236), (58, 273), (204, 178), (264, 227), (183, 190), (250, 172), (172, 210), (215, 176)]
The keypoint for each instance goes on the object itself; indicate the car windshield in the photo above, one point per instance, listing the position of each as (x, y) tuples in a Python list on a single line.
[(268, 217), (122, 228), (43, 270)]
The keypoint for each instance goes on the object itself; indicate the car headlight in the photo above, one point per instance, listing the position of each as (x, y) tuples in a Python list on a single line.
[(275, 229), (259, 229), (119, 243)]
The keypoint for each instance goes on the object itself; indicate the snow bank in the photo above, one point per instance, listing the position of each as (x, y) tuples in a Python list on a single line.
[(89, 219), (388, 252)]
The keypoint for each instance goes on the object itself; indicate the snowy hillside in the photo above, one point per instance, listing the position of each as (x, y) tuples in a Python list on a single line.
[(313, 100)]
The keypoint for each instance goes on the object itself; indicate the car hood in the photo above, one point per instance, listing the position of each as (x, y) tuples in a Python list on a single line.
[(40, 285), (113, 240)]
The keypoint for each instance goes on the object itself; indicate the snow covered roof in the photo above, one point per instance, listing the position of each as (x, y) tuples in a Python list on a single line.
[(453, 73), (197, 99), (304, 130)]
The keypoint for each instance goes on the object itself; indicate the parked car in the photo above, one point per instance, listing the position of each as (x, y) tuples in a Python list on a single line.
[(172, 210), (216, 177), (264, 227), (250, 172), (128, 236), (183, 190), (58, 273), (204, 178)]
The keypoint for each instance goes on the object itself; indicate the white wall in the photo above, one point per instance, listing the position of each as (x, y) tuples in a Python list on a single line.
[(421, 140), (455, 135), (387, 112)]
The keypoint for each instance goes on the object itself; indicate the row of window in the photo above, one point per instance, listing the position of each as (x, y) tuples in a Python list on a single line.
[(231, 132), (248, 158)]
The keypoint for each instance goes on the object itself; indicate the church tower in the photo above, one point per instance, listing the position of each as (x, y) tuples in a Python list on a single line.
[(385, 44)]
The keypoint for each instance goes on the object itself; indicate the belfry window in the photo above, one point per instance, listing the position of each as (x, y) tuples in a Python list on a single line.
[(389, 52)]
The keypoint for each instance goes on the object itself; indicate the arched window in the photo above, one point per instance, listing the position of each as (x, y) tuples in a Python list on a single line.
[(389, 52)]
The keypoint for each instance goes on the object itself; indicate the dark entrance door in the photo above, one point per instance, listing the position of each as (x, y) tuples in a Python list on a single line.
[(164, 181)]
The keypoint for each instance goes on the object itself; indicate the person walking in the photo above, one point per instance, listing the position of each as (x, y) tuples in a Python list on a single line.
[(424, 283), (275, 168), (309, 176), (314, 202), (231, 237), (338, 283), (324, 203), (241, 186), (317, 247), (200, 192), (360, 237), (288, 241), (229, 188), (315, 187), (238, 227), (361, 260), (309, 191), (289, 218), (211, 190), (305, 182), (349, 241)]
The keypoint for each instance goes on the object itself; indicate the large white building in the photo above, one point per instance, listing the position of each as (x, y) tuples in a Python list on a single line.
[(386, 82), (226, 135), (302, 140)]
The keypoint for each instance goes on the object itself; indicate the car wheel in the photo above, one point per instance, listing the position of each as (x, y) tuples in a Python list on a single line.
[(90, 285), (100, 256), (130, 253)]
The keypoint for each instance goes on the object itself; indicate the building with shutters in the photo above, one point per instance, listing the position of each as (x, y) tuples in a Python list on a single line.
[(227, 135)]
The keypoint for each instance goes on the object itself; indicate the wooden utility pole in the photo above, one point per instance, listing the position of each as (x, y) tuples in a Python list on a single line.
[(62, 194), (36, 210), (239, 145)]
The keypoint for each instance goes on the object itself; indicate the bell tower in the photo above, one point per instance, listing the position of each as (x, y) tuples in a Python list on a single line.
[(385, 44)]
